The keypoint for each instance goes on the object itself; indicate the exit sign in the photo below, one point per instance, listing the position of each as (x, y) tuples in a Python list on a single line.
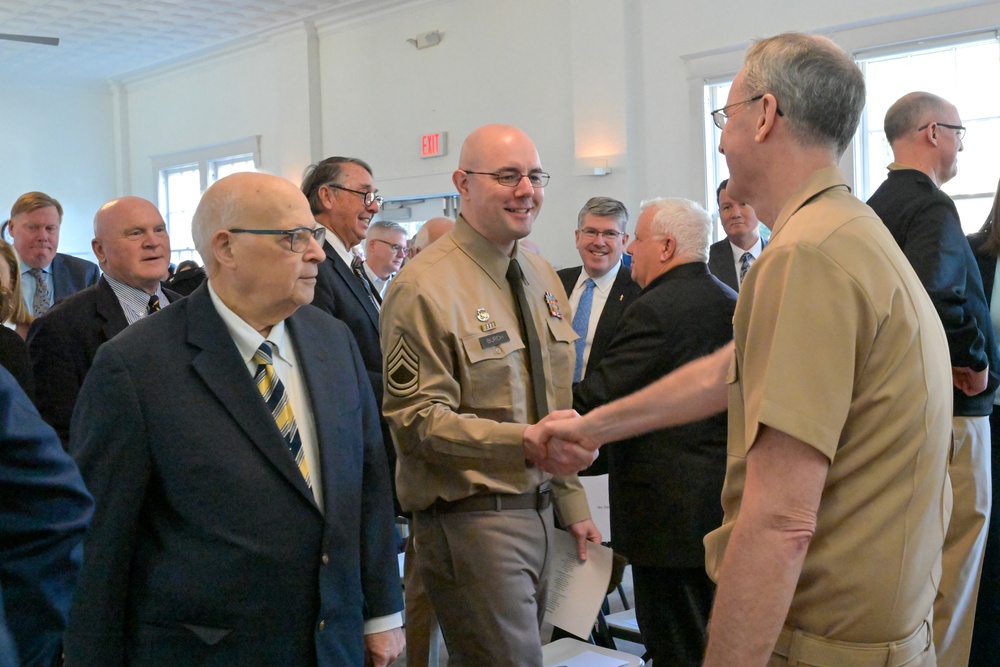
[(434, 145)]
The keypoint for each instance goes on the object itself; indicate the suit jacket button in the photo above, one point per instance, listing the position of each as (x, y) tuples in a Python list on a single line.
[(322, 624), (325, 559)]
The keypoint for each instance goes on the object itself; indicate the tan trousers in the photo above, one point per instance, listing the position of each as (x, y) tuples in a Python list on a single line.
[(487, 577), (423, 636), (965, 541)]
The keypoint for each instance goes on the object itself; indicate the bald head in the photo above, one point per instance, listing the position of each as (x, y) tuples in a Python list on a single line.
[(260, 272), (131, 243), (925, 132), (501, 213), (430, 232)]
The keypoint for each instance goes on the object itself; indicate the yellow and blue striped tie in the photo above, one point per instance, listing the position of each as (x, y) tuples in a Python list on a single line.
[(270, 387)]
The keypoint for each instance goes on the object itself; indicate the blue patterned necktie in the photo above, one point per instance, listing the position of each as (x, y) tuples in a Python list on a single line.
[(270, 387), (581, 324), (745, 261), (43, 296)]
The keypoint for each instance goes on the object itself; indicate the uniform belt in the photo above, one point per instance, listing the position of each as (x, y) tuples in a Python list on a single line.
[(799, 647), (495, 502)]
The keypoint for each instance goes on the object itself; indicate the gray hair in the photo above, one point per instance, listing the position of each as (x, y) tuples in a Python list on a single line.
[(819, 89), (686, 221), (604, 207), (325, 172), (386, 226), (906, 113)]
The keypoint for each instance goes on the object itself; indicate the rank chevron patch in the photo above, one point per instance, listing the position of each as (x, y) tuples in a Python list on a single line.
[(403, 369)]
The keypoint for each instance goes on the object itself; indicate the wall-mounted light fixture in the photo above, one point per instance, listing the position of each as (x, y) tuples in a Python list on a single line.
[(426, 40)]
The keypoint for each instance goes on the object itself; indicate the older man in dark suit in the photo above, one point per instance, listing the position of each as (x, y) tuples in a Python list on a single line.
[(232, 445), (131, 243), (343, 198), (46, 275), (665, 485)]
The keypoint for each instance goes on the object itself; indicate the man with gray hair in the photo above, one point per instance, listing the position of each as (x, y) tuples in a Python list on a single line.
[(836, 493), (665, 485), (925, 133), (232, 446), (385, 249)]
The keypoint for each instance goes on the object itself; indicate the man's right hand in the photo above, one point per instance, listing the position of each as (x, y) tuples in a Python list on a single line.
[(559, 457)]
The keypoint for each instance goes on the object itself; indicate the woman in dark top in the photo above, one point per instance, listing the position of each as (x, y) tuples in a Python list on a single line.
[(986, 634), (13, 351)]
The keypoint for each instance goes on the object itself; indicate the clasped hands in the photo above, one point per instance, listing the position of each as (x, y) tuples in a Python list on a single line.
[(558, 445)]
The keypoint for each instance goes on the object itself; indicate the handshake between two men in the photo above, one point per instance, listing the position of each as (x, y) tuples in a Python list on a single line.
[(558, 444)]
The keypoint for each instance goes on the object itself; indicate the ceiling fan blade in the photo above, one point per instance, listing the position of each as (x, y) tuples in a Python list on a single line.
[(50, 41)]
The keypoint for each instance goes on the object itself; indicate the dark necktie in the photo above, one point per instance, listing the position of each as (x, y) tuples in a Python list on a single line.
[(359, 270), (745, 261), (535, 367), (154, 304), (273, 391)]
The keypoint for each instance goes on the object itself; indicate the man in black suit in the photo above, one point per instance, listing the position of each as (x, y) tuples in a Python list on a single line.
[(131, 244), (46, 275), (731, 258), (232, 446), (343, 198), (665, 486), (600, 239)]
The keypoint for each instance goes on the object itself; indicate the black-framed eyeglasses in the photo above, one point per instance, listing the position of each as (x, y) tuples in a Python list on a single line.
[(396, 248), (511, 177), (609, 235), (369, 195), (959, 129), (298, 238), (720, 116)]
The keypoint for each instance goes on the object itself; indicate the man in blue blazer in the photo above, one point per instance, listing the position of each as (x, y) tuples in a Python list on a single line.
[(220, 537), (343, 198), (43, 515), (35, 221)]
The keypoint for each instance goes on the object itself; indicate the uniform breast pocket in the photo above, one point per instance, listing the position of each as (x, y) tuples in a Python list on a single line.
[(495, 366), (562, 351)]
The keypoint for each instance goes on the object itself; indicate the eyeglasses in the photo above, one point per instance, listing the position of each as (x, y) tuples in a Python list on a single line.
[(720, 116), (369, 196), (396, 248), (959, 129), (511, 177), (298, 238), (609, 235)]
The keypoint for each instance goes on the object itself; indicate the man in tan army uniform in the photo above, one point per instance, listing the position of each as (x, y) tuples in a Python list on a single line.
[(838, 388), (459, 396)]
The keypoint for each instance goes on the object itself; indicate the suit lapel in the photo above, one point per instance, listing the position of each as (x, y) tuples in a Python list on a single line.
[(353, 283), (219, 365), (109, 310)]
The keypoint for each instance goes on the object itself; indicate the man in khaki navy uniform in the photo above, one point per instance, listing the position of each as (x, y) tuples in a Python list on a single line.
[(459, 398), (838, 388)]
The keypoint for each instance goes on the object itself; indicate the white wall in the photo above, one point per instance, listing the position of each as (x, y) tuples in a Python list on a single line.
[(58, 141), (585, 78)]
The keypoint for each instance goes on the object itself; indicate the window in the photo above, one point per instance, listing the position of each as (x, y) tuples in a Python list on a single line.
[(183, 177), (962, 70), (963, 73)]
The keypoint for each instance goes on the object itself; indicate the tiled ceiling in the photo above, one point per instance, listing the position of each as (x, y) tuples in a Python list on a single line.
[(101, 39)]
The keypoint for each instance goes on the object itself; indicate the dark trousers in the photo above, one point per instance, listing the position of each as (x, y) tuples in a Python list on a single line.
[(986, 633), (672, 607)]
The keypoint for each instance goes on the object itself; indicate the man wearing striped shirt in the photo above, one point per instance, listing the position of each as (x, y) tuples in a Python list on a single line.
[(133, 249)]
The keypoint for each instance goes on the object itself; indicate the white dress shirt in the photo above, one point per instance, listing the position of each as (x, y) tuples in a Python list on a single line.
[(602, 289)]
